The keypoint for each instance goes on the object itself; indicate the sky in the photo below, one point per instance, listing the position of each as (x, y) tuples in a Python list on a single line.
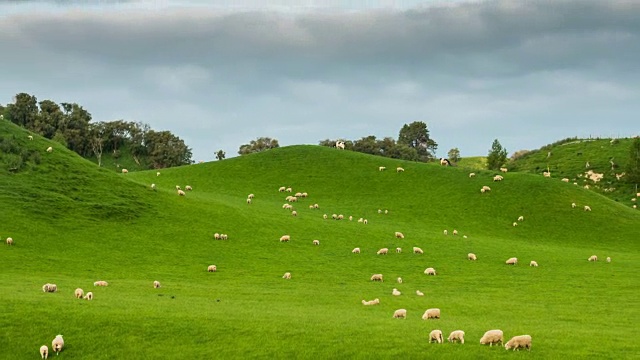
[(219, 74)]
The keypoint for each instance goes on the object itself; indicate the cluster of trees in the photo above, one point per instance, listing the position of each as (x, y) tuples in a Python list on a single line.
[(70, 125), (258, 145)]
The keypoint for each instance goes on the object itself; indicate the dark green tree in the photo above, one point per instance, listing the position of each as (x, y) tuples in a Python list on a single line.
[(497, 156), (24, 110), (416, 136), (48, 120), (258, 145), (220, 155), (166, 150), (633, 166), (454, 155), (367, 145)]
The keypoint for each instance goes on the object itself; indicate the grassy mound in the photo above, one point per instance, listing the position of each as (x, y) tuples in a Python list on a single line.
[(80, 224)]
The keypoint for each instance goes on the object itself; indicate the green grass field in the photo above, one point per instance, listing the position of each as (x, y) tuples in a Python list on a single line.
[(74, 223)]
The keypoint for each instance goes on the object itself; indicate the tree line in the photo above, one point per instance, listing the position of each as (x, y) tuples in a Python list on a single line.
[(70, 124)]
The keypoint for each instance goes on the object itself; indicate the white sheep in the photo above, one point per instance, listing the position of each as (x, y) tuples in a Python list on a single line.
[(304, 195), (79, 293), (44, 351), (398, 250), (546, 174), (435, 335), (504, 169), (565, 180), (383, 251), (9, 241), (30, 137), (399, 235), (377, 277), (49, 149), (382, 168), (515, 223), (400, 313), (455, 232), (316, 206), (340, 145), (533, 263), (399, 169), (485, 189), (498, 178), (216, 236), (181, 193), (365, 221), (608, 259), (445, 232), (431, 314), (587, 208), (520, 218), (417, 250), (492, 337), (360, 220), (100, 283), (188, 188), (316, 242), (419, 293), (573, 205), (430, 271), (158, 173), (325, 216), (472, 256), (285, 238), (249, 201), (224, 236), (288, 190), (593, 258), (375, 301), (517, 342), (153, 186), (340, 217), (212, 268), (294, 213), (89, 296), (156, 284), (57, 344), (456, 335), (49, 287), (298, 194), (355, 251), (282, 189), (399, 280), (472, 174), (350, 218), (125, 171), (178, 187), (286, 275), (512, 261)]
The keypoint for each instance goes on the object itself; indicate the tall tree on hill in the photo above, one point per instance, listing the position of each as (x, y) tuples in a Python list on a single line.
[(166, 150), (633, 166), (75, 128), (24, 110), (258, 145), (416, 135), (220, 155), (497, 156), (454, 155), (97, 137)]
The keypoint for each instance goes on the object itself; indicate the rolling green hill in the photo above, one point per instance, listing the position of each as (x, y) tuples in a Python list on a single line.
[(73, 224)]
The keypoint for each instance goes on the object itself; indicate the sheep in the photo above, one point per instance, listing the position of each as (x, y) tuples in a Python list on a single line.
[(293, 199), (287, 276), (593, 258), (565, 180), (430, 271), (311, 207), (608, 259), (587, 208), (399, 235), (573, 205), (383, 251), (445, 232), (512, 261), (30, 137), (9, 241), (517, 342), (520, 218), (298, 194), (399, 280), (181, 193), (125, 171), (533, 263), (375, 301), (431, 314), (304, 195), (153, 186), (79, 293), (377, 277), (417, 250), (49, 149), (445, 162), (360, 220), (472, 256), (294, 213), (455, 232), (100, 283), (355, 251), (340, 217), (334, 216), (395, 292), (472, 175), (464, 236), (158, 173), (399, 169), (178, 187), (435, 335), (400, 313), (419, 293), (365, 221), (216, 236), (485, 189), (325, 216), (492, 337), (504, 170), (285, 238), (224, 236), (386, 212), (350, 218), (89, 296), (498, 178), (282, 189), (316, 206), (382, 168), (44, 351), (398, 250), (249, 201), (57, 344), (188, 188), (49, 287), (316, 242), (212, 268), (156, 284), (456, 335), (546, 174), (515, 223)]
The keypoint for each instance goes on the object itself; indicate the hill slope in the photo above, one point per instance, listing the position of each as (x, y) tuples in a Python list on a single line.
[(246, 309)]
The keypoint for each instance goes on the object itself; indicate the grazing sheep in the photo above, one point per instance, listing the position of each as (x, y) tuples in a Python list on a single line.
[(419, 293), (49, 149), (286, 275), (158, 173), (334, 216), (430, 271), (377, 277), (533, 263), (282, 189), (316, 242), (573, 205), (512, 261), (360, 220), (181, 193), (224, 236), (350, 218), (355, 251), (520, 218), (504, 169), (445, 232), (565, 180), (304, 195), (492, 337), (515, 223), (435, 335), (400, 313), (587, 208), (340, 217), (79, 293), (399, 169), (156, 284), (89, 296), (100, 283), (293, 199), (386, 212), (316, 206), (57, 344), (178, 187), (44, 351), (298, 194), (216, 236), (30, 137), (212, 268), (485, 189), (285, 238), (431, 314), (608, 259), (188, 188), (382, 168), (375, 301), (464, 236), (399, 280), (9, 241), (398, 250), (498, 178), (455, 232), (325, 216), (399, 235), (417, 250), (472, 256), (383, 251), (249, 201), (153, 186), (125, 171), (49, 287), (395, 292), (593, 258), (311, 207), (293, 213), (456, 335), (517, 342), (340, 145), (546, 174), (365, 221), (472, 175)]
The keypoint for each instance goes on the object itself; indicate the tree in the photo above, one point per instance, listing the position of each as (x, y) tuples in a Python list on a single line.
[(367, 145), (97, 135), (220, 155), (258, 145), (633, 166), (416, 135), (454, 155), (497, 156), (166, 150), (23, 111)]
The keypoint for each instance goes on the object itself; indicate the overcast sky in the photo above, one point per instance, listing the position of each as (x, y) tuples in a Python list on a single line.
[(221, 73)]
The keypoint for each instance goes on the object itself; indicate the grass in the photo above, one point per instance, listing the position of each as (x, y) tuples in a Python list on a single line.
[(74, 223)]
